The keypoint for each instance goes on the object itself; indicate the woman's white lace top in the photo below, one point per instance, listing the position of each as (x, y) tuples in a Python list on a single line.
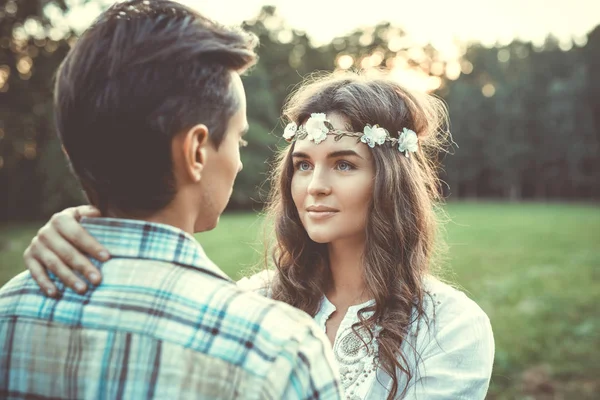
[(454, 347)]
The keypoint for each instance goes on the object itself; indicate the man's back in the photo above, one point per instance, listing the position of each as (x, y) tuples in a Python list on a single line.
[(165, 323)]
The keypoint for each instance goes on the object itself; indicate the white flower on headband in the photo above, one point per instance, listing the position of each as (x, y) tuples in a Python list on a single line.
[(374, 135), (315, 127), (408, 142), (290, 131)]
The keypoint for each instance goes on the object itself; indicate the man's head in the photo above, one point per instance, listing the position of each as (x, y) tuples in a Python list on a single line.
[(148, 104)]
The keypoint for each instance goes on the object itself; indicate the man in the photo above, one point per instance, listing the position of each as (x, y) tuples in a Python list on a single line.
[(151, 111)]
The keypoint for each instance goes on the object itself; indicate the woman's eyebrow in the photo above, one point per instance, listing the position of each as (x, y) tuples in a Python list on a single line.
[(334, 154), (344, 153), (299, 154)]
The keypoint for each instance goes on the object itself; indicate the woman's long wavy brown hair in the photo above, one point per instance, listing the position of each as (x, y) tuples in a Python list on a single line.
[(402, 223)]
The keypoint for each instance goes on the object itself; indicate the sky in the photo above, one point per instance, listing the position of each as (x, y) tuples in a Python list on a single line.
[(433, 21), (439, 22), (442, 23)]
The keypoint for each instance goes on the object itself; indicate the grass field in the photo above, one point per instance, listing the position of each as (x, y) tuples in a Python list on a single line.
[(534, 268)]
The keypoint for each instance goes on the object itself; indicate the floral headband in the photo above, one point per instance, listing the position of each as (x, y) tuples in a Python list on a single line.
[(317, 128)]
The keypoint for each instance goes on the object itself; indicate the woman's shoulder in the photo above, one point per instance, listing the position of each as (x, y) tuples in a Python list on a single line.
[(451, 345), (450, 311), (260, 282), (444, 300)]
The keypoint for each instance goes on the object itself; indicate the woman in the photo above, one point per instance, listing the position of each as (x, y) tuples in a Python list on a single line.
[(354, 209)]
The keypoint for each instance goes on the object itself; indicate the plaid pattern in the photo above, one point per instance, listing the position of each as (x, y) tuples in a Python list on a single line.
[(165, 323)]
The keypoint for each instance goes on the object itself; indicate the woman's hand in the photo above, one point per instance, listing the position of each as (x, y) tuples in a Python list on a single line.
[(60, 247)]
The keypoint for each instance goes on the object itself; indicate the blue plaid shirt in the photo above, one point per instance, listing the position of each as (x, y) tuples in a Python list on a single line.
[(165, 323)]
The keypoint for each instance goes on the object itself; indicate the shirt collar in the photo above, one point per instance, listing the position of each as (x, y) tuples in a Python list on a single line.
[(126, 238), (327, 308)]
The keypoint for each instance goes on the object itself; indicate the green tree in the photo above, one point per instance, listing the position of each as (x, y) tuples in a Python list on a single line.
[(31, 48)]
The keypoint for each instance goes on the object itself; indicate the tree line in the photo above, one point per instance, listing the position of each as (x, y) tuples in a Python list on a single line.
[(525, 118)]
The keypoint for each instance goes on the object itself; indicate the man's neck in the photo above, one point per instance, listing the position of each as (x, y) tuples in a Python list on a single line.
[(171, 215)]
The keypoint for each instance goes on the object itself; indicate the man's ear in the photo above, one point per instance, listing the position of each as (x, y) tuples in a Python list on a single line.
[(192, 151)]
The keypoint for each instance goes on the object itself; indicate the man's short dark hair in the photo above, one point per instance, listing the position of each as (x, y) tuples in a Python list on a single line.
[(142, 73)]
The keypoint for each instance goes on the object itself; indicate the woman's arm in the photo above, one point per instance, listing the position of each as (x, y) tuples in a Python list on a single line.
[(60, 247), (457, 362), (260, 282)]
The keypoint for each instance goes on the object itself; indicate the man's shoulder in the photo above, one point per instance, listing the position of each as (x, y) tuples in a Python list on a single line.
[(19, 285), (194, 286), (189, 310), (237, 325), (171, 303), (280, 312), (277, 319), (155, 284)]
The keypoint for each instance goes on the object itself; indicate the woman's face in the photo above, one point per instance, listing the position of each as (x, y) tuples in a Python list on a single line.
[(332, 186)]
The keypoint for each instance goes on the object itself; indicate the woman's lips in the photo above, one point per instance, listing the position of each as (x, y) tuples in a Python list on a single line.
[(320, 215)]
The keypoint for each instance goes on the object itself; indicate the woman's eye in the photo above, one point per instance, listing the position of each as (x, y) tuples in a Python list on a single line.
[(302, 166), (345, 166), (243, 143)]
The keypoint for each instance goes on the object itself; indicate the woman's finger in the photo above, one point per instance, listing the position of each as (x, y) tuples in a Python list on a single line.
[(86, 211), (67, 227), (39, 275), (54, 264), (70, 256)]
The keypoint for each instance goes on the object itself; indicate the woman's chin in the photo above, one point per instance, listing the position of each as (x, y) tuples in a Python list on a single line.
[(319, 237)]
